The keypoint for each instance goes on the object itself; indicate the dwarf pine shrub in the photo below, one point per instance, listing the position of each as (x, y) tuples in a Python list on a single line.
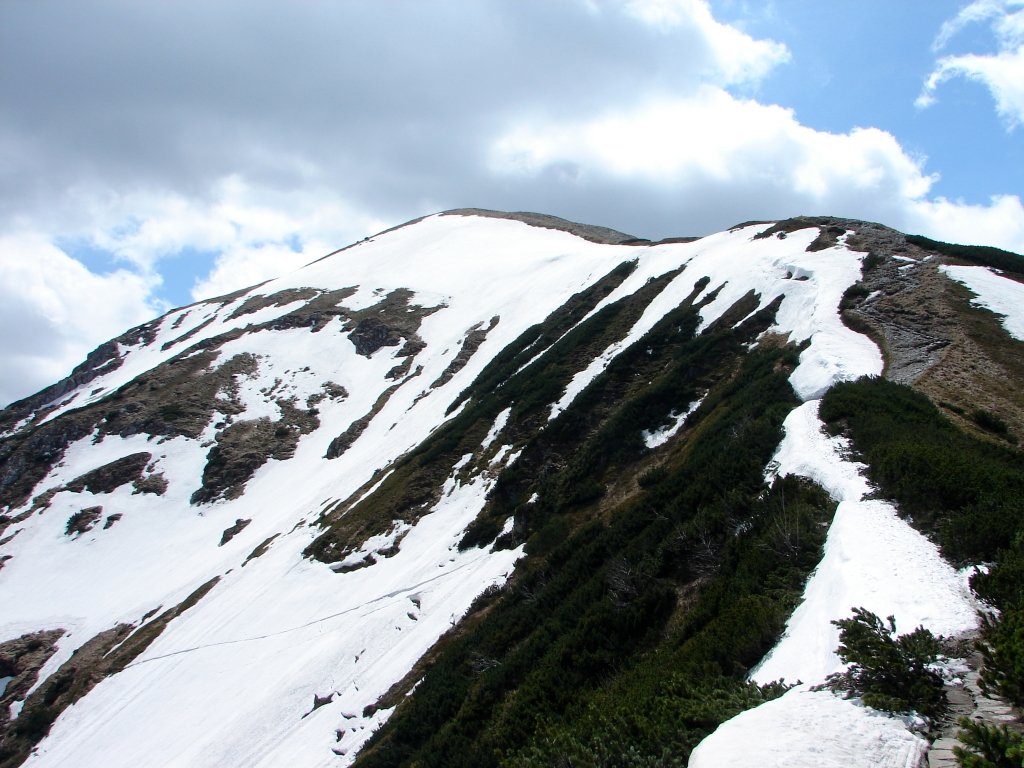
[(888, 672)]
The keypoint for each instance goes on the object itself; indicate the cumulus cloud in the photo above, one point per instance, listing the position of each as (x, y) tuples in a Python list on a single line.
[(733, 56), (54, 311), (714, 156), (1002, 221), (1002, 71), (249, 233), (253, 138), (270, 242), (715, 138)]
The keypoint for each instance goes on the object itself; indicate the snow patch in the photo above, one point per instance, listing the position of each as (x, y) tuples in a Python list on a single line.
[(1001, 295), (496, 427), (661, 436), (810, 729), (873, 559)]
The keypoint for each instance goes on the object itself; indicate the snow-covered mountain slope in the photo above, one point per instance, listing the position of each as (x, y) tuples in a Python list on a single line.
[(235, 533)]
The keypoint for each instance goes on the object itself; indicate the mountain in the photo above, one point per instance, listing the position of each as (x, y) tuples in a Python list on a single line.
[(503, 489)]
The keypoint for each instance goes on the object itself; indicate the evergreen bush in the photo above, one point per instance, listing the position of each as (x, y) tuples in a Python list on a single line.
[(988, 746), (1002, 647), (889, 672)]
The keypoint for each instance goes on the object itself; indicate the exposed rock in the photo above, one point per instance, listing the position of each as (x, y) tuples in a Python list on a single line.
[(25, 459), (111, 519), (279, 299), (180, 396), (261, 549), (967, 699), (83, 521), (344, 441), (189, 334), (21, 659), (155, 484), (475, 336), (104, 359), (930, 335), (319, 701), (329, 390), (44, 499), (589, 232), (370, 334), (112, 476), (232, 531), (245, 446)]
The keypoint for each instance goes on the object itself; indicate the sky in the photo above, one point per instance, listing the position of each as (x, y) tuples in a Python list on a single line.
[(154, 154)]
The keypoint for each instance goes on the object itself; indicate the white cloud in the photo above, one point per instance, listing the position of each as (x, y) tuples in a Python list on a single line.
[(715, 138), (248, 233), (718, 153), (733, 56), (1000, 223), (54, 311), (275, 234), (274, 243), (1002, 72)]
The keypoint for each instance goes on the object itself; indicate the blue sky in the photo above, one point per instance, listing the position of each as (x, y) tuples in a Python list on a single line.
[(867, 68), (152, 154)]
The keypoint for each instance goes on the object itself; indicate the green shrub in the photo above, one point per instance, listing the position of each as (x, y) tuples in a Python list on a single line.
[(990, 422), (988, 746), (853, 295), (1002, 647), (889, 672), (626, 639), (871, 261), (979, 254), (967, 493)]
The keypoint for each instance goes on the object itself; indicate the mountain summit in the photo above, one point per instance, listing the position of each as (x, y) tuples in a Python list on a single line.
[(501, 489)]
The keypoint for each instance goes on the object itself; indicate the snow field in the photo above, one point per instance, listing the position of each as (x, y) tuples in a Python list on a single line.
[(229, 681), (662, 436), (252, 655), (806, 729), (811, 284), (994, 292)]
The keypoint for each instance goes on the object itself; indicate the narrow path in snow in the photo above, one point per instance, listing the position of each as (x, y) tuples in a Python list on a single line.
[(966, 699), (403, 591)]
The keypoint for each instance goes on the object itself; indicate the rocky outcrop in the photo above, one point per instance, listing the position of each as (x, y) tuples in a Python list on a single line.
[(231, 531), (475, 336), (83, 521), (967, 699), (112, 476)]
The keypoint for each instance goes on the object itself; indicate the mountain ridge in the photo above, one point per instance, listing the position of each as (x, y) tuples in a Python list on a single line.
[(373, 418)]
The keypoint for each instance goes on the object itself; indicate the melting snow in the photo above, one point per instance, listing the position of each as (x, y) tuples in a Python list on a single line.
[(495, 430), (809, 309), (806, 729), (872, 559), (661, 436), (251, 655), (994, 292)]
